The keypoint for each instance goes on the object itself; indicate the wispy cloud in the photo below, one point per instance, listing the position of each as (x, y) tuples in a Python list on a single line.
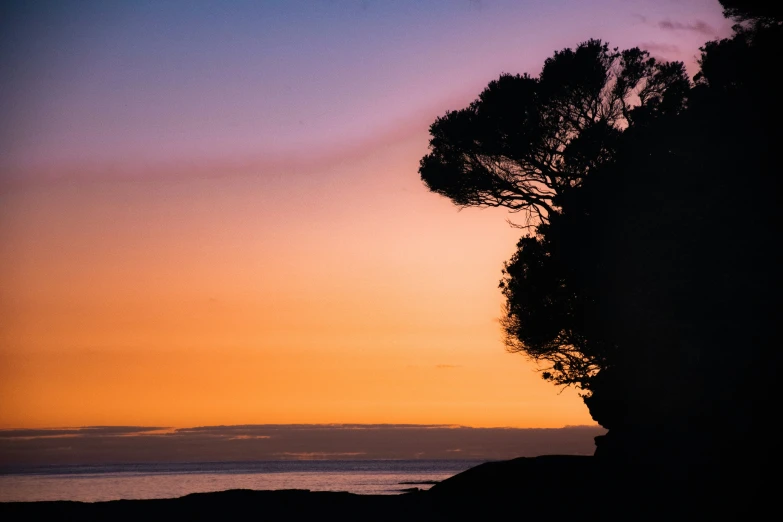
[(698, 26), (660, 47), (314, 160), (320, 455)]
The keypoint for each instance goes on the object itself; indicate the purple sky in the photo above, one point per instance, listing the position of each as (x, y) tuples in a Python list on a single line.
[(135, 85)]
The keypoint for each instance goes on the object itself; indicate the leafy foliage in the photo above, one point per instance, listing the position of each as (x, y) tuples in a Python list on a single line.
[(527, 141)]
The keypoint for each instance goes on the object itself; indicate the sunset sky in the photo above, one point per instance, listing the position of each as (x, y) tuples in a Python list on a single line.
[(210, 212)]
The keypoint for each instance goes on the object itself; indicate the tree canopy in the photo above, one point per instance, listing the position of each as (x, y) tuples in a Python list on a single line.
[(528, 144), (648, 270), (527, 141), (752, 10)]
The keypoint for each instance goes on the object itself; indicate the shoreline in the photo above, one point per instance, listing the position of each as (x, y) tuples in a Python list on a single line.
[(554, 487)]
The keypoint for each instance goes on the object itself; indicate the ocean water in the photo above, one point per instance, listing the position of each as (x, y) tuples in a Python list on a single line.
[(143, 481)]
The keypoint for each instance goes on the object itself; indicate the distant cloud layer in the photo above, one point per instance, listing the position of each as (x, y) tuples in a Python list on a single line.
[(89, 431), (101, 445)]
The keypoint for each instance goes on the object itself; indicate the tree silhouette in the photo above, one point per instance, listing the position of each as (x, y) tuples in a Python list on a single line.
[(529, 144), (649, 271), (752, 10), (527, 141)]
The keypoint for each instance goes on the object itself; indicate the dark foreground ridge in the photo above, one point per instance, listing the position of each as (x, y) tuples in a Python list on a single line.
[(555, 487)]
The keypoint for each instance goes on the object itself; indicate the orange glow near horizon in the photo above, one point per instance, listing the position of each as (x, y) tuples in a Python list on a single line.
[(212, 301)]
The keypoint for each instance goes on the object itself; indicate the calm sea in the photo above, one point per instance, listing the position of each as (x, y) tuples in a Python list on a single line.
[(140, 481)]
